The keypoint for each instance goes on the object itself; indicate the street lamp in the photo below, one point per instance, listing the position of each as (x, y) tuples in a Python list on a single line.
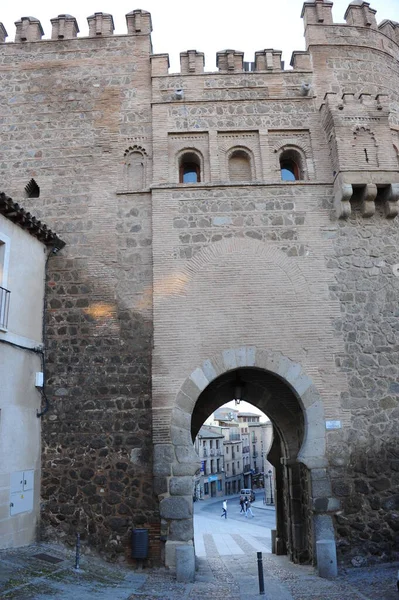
[(271, 486)]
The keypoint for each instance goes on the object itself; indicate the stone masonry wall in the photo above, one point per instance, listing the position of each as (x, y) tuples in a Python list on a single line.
[(70, 110), (364, 455)]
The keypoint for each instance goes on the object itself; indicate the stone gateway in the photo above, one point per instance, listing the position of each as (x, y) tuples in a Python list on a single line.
[(240, 223)]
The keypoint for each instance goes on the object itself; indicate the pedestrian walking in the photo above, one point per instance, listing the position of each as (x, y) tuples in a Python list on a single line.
[(242, 504), (248, 509), (224, 513)]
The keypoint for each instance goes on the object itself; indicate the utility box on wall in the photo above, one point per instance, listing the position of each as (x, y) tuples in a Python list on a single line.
[(21, 492)]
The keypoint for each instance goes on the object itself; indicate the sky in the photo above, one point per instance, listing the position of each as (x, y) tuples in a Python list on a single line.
[(207, 26)]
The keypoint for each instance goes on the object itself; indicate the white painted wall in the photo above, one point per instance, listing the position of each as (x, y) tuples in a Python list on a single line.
[(23, 274)]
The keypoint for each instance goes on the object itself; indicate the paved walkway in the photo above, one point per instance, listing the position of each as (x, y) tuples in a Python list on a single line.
[(216, 536), (25, 576)]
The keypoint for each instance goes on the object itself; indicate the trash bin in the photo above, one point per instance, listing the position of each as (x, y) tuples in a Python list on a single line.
[(139, 543)]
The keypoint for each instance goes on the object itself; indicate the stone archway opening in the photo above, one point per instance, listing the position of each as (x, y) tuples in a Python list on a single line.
[(277, 400), (283, 391)]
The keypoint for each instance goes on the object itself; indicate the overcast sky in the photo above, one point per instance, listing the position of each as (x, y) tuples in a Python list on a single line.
[(207, 26)]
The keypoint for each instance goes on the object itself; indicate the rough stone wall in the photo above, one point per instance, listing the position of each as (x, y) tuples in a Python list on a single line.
[(70, 111), (364, 455)]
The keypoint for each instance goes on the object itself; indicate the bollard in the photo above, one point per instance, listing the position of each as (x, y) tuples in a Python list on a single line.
[(77, 557), (274, 540), (326, 558), (260, 574), (185, 563)]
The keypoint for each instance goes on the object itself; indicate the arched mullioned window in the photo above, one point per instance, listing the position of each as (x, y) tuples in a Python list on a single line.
[(189, 167), (240, 166), (291, 165), (135, 163)]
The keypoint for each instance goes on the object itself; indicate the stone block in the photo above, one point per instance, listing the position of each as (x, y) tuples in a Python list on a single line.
[(321, 487), (181, 530), (199, 378), (180, 436), (177, 507), (181, 486), (229, 360), (209, 370), (181, 419), (186, 453), (183, 469), (326, 558), (323, 527), (185, 564), (164, 456), (185, 402)]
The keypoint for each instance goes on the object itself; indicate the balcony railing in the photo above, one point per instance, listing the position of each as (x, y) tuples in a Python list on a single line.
[(4, 306)]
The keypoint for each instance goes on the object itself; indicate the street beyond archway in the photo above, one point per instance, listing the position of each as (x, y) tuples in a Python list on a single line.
[(236, 535)]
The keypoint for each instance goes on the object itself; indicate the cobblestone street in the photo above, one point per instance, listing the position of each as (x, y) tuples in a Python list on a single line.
[(24, 576)]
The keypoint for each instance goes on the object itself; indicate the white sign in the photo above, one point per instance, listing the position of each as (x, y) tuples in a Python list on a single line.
[(333, 425)]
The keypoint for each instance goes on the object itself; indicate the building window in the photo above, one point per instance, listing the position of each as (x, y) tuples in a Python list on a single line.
[(217, 444), (290, 165), (4, 292), (227, 449), (218, 465), (239, 166), (204, 467), (189, 168), (206, 489), (210, 443)]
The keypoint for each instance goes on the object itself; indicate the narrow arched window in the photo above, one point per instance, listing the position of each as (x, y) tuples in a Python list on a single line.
[(239, 166), (190, 168), (134, 165), (290, 166)]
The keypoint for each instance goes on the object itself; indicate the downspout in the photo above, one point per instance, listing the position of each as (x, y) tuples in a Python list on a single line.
[(40, 414)]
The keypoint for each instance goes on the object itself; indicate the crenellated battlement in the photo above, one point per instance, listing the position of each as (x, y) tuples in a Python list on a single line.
[(64, 27), (316, 14)]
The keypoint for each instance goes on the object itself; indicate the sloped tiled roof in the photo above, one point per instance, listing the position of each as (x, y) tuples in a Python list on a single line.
[(18, 215)]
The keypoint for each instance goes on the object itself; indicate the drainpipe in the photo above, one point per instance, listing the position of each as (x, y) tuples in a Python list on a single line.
[(40, 414)]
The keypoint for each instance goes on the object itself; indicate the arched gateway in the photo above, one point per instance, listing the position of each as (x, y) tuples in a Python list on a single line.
[(279, 387)]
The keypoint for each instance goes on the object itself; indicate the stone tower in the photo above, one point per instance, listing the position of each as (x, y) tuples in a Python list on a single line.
[(234, 226)]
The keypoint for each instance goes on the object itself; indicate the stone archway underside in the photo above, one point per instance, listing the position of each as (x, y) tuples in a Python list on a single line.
[(176, 463)]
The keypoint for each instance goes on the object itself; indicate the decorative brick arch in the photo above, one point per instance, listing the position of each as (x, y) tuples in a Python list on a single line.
[(175, 463)]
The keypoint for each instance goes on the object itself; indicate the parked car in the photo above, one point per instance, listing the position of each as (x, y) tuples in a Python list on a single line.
[(250, 494)]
